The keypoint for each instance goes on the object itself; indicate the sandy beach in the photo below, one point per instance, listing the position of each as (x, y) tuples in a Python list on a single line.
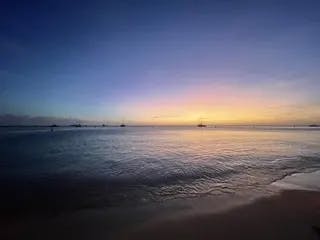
[(292, 214)]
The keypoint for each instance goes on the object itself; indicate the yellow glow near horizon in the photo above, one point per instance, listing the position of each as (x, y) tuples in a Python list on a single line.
[(223, 105)]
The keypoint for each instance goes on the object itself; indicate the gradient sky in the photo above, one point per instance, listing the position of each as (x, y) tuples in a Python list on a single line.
[(161, 62)]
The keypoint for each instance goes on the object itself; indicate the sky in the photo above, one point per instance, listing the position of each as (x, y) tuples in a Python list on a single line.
[(160, 62)]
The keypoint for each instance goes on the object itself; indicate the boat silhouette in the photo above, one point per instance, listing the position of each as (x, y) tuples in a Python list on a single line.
[(76, 125), (201, 124), (122, 124)]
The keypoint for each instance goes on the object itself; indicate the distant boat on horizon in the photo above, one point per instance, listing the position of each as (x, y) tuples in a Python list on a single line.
[(75, 125), (122, 124), (314, 125), (201, 124)]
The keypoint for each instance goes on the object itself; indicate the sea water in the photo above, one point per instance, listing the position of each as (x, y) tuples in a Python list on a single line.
[(70, 169)]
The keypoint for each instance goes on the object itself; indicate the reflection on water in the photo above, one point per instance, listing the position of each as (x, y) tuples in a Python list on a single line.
[(99, 167)]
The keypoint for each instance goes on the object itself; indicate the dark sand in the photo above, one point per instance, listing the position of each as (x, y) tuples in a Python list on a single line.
[(289, 215)]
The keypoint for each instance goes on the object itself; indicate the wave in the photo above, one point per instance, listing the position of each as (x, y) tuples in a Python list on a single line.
[(300, 181)]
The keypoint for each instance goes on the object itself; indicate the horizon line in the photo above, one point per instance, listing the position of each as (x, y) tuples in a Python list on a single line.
[(160, 125)]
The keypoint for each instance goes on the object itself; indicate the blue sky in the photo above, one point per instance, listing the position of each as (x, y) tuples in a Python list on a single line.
[(134, 60)]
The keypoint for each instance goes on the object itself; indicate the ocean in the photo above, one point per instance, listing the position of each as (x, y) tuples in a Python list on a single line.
[(44, 173)]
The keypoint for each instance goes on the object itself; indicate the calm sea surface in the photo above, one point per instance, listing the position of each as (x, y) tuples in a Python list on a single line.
[(76, 168)]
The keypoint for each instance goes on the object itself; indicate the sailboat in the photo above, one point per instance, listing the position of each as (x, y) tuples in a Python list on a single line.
[(201, 124), (122, 124)]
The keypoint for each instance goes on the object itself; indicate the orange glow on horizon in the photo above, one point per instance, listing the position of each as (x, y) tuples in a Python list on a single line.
[(221, 105)]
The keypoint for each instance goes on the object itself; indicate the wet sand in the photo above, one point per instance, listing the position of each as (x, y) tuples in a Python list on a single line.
[(289, 215)]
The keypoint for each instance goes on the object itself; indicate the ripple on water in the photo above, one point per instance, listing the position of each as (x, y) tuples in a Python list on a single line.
[(98, 167)]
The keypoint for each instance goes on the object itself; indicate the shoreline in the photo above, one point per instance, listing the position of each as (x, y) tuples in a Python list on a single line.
[(291, 214), (288, 214), (308, 181)]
